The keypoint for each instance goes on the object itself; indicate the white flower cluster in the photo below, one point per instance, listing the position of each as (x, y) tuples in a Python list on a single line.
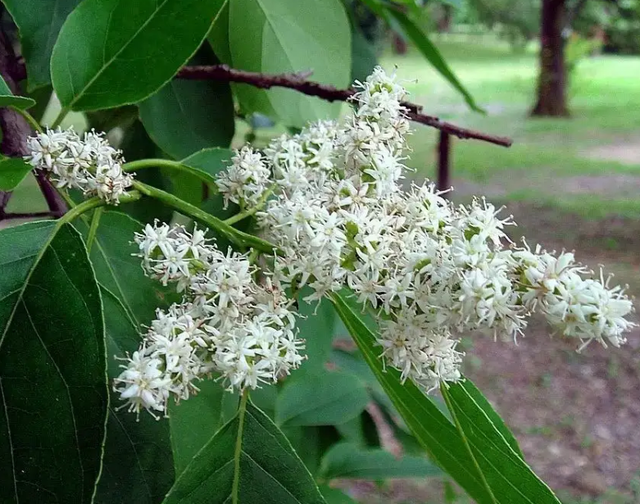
[(429, 270), (246, 179), (227, 323), (87, 163)]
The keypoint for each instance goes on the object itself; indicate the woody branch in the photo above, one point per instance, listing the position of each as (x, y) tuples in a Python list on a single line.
[(326, 92)]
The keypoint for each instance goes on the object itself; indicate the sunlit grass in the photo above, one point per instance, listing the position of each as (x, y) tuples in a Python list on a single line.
[(604, 100)]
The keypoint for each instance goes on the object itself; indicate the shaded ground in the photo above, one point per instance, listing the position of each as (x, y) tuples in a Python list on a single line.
[(624, 153)]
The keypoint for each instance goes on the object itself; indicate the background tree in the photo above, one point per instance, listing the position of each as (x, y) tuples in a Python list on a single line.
[(552, 91)]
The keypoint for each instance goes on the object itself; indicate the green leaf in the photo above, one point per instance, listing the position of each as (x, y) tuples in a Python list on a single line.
[(309, 442), (456, 4), (363, 56), (195, 421), (8, 99), (12, 172), (248, 461), (137, 465), (317, 330), (265, 398), (275, 36), (39, 23), (432, 54), (202, 166), (474, 403), (353, 430), (111, 52), (349, 461), (323, 399), (118, 117), (489, 447), (186, 116), (53, 390), (207, 163), (186, 187), (121, 273), (508, 477), (42, 97), (354, 364), (136, 144), (493, 465), (219, 35)]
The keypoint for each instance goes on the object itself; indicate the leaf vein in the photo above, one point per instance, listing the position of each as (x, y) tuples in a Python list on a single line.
[(118, 52), (66, 385), (13, 464)]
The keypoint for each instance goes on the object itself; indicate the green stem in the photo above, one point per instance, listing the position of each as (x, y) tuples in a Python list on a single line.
[(151, 163), (63, 113), (67, 199), (238, 237), (258, 206), (242, 410), (172, 165), (29, 118), (253, 256), (95, 220), (447, 400), (80, 209)]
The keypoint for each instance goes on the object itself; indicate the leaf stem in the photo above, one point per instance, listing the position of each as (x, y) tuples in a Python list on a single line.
[(238, 237), (67, 198), (92, 203), (95, 221), (242, 410), (29, 118), (63, 113), (463, 436), (254, 209), (139, 164), (151, 163), (80, 209), (253, 256)]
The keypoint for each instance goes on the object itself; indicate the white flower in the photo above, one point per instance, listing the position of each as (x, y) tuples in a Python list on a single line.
[(143, 384), (89, 164), (227, 323), (247, 178), (427, 270)]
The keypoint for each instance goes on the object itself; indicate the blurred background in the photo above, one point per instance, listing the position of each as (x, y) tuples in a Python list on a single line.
[(571, 181)]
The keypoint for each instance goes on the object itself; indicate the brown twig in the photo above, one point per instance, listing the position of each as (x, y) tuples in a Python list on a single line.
[(387, 438), (16, 215), (15, 130), (299, 83), (444, 163)]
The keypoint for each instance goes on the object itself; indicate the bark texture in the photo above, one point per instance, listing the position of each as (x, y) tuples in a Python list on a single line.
[(551, 98)]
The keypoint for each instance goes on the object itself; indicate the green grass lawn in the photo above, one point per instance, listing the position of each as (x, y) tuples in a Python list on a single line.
[(547, 153)]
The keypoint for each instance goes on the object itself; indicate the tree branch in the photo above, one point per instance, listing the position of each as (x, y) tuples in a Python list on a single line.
[(15, 130), (299, 83), (16, 215)]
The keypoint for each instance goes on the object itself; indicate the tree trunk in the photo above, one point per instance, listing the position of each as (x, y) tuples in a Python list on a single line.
[(444, 22), (399, 44), (552, 99)]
